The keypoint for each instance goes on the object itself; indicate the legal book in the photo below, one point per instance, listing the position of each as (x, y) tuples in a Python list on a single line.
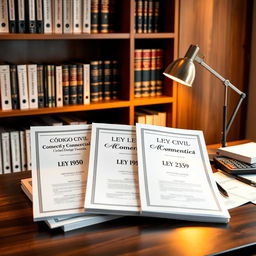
[(47, 14), (115, 90), (59, 183), (67, 223), (31, 15), (12, 16), (4, 26), (21, 16), (244, 152), (95, 16), (14, 87), (57, 17), (112, 183), (39, 17), (5, 87), (86, 19), (175, 176)]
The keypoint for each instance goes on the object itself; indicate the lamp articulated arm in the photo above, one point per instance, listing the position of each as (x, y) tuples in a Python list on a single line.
[(226, 126)]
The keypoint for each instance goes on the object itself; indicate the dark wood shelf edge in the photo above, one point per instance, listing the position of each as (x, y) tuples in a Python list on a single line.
[(75, 108)]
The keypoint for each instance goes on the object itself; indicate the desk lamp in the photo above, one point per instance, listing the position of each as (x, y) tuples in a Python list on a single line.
[(183, 71)]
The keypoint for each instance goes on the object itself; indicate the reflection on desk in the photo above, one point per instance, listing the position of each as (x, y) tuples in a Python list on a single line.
[(19, 235)]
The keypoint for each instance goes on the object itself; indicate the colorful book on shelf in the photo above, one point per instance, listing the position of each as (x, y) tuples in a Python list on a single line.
[(104, 16), (95, 16), (159, 71), (156, 15), (100, 80), (72, 84), (139, 16), (80, 84), (145, 16), (94, 81), (137, 72), (153, 81), (115, 90), (150, 16), (145, 85), (107, 78), (40, 86), (14, 87), (65, 84)]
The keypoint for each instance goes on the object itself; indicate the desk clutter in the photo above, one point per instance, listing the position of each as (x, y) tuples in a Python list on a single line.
[(87, 174)]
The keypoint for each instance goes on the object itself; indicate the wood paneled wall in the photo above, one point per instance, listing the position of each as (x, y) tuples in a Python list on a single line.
[(221, 29)]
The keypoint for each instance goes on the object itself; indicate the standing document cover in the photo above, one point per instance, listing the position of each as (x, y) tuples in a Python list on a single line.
[(175, 177), (112, 183), (59, 169)]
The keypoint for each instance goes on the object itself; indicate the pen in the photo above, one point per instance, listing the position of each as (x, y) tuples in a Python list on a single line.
[(222, 190), (240, 178)]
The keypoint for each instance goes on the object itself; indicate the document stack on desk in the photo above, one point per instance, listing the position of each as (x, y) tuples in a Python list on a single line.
[(123, 170)]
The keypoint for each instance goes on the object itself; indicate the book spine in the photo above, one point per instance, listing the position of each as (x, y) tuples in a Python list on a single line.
[(14, 87), (100, 80), (12, 16), (53, 86), (77, 16), (67, 17), (31, 11), (146, 56), (104, 16), (153, 81), (4, 21), (40, 85), (28, 148), (32, 86), (73, 84), (150, 15), (39, 17), (145, 16), (137, 72), (86, 82), (94, 81), (23, 86), (15, 151), (86, 24), (139, 16), (49, 85), (107, 79), (80, 84), (47, 13), (45, 84), (1, 156), (6, 154), (94, 16), (159, 71), (5, 85), (156, 16), (57, 24), (23, 151), (115, 80), (59, 91), (65, 84), (21, 16)]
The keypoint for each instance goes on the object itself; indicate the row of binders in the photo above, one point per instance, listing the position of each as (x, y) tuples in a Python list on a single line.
[(58, 16), (147, 14), (148, 68), (34, 86), (15, 152)]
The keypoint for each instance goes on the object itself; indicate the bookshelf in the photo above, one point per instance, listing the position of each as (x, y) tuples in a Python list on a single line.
[(58, 48)]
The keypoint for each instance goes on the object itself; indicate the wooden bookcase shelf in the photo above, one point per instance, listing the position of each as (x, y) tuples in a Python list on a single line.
[(53, 48)]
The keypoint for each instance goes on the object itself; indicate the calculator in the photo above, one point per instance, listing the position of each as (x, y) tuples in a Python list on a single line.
[(234, 166)]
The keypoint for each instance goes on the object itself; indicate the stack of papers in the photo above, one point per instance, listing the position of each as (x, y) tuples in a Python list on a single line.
[(106, 169)]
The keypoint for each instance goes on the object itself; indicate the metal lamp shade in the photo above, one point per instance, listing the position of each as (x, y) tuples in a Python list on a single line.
[(181, 70)]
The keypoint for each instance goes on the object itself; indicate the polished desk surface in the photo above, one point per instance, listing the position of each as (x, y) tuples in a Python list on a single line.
[(19, 235)]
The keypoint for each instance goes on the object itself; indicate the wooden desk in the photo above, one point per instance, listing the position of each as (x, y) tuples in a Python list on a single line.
[(19, 235)]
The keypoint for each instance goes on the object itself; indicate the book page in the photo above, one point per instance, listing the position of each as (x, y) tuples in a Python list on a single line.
[(175, 175), (60, 157), (112, 178)]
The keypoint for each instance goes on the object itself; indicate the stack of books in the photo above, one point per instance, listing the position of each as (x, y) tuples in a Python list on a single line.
[(58, 17), (67, 223), (106, 169), (148, 68), (149, 116), (147, 14)]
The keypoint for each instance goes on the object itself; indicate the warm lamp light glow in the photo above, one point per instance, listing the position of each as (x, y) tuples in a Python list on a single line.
[(177, 80)]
